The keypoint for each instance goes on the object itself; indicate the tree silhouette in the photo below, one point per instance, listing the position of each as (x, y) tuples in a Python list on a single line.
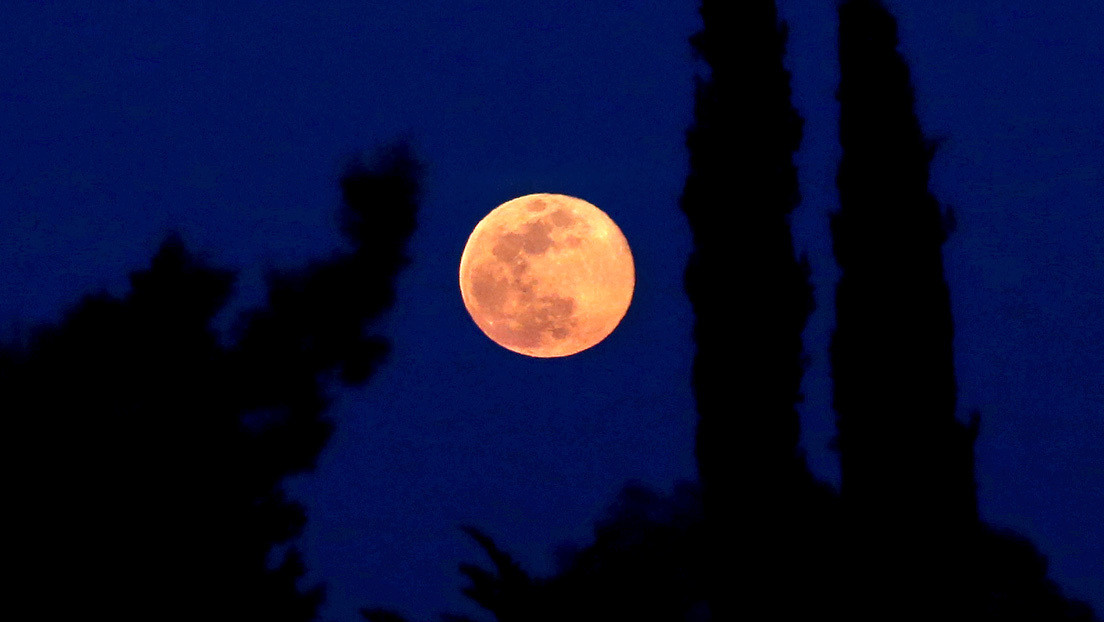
[(152, 456), (906, 462), (751, 298), (908, 491)]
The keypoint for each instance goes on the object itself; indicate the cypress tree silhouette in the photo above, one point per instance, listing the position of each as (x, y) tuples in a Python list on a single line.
[(751, 298), (154, 455), (887, 240), (916, 546), (906, 462)]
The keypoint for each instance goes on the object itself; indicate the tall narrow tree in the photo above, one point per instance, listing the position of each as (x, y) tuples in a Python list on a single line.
[(917, 549), (906, 461), (751, 298)]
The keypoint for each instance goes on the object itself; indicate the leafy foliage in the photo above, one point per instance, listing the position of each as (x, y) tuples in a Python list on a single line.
[(152, 455)]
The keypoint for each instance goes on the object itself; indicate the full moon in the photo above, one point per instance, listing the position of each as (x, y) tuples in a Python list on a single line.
[(547, 275)]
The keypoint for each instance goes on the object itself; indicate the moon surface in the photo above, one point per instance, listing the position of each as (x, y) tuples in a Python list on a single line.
[(547, 275)]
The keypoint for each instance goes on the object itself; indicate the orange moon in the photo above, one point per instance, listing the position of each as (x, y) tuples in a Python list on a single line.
[(547, 275)]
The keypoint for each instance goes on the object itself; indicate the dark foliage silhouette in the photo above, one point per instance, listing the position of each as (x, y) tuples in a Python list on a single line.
[(906, 462), (915, 544), (751, 298), (151, 455), (644, 564)]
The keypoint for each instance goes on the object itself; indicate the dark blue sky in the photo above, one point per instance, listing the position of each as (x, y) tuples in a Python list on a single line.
[(230, 124)]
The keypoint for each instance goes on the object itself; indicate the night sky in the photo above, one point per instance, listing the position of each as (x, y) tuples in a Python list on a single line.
[(230, 123)]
